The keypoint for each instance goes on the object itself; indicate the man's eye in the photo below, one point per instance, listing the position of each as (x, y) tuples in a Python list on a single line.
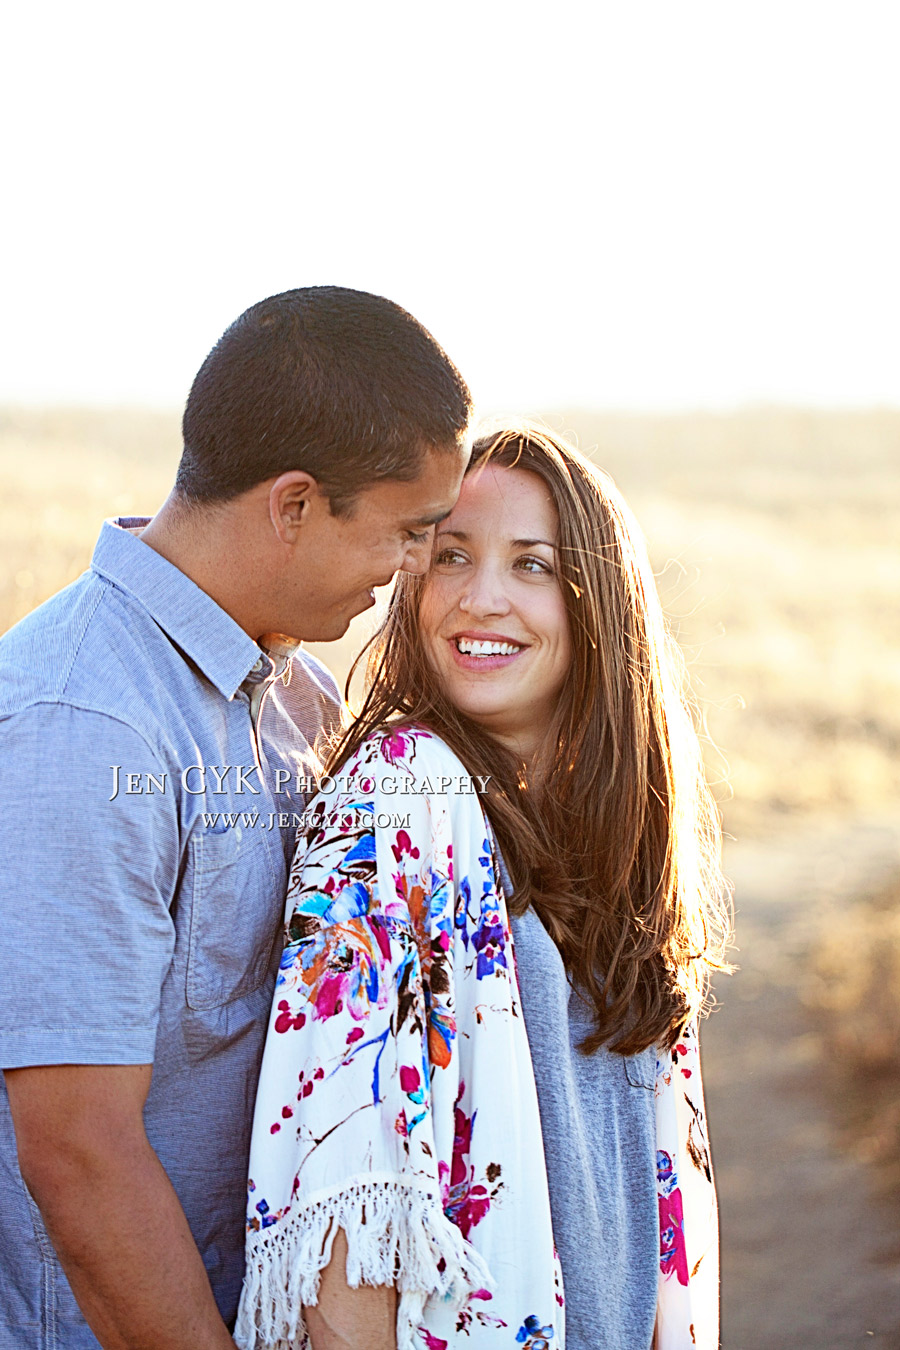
[(417, 538)]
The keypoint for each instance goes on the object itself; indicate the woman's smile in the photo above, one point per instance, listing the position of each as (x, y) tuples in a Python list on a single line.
[(482, 652)]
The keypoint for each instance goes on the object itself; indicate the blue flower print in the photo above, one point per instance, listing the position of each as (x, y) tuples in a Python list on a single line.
[(533, 1336)]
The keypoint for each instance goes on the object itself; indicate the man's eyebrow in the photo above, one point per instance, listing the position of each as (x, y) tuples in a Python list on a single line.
[(434, 519)]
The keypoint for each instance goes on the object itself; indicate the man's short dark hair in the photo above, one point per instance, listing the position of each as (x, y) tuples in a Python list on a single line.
[(342, 384)]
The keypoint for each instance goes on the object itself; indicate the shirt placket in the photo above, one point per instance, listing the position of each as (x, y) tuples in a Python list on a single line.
[(255, 686)]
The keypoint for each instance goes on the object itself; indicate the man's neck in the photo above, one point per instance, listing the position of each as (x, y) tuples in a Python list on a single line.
[(205, 544)]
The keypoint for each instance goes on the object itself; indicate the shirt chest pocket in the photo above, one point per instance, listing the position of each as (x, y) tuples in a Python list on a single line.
[(640, 1069), (237, 909)]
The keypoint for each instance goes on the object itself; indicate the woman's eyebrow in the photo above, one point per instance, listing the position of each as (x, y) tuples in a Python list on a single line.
[(513, 543)]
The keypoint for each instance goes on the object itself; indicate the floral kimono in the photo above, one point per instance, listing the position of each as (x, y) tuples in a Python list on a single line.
[(397, 1099)]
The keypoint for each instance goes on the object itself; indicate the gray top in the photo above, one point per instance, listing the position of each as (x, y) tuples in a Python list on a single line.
[(144, 929), (598, 1122)]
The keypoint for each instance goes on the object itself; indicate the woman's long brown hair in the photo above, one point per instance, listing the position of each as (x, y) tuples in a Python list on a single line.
[(613, 835)]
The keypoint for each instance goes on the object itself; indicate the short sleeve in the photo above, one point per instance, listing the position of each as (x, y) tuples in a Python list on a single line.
[(344, 1135), (85, 889)]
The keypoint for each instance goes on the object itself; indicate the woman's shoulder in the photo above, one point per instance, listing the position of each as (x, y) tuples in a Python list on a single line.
[(406, 751)]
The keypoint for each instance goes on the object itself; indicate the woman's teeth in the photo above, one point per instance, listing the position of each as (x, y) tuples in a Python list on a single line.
[(472, 647)]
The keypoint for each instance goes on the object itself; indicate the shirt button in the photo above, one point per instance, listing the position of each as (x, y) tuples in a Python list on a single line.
[(258, 664)]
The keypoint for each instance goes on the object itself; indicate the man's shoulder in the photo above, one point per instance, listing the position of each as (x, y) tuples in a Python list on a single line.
[(87, 648), (38, 654)]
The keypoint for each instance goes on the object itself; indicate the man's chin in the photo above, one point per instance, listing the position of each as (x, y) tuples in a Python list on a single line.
[(331, 627), (332, 630), (360, 607)]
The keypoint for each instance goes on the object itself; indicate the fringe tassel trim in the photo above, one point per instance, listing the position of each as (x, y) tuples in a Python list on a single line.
[(396, 1234)]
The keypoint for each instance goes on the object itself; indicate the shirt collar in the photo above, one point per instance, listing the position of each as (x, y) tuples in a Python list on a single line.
[(192, 619)]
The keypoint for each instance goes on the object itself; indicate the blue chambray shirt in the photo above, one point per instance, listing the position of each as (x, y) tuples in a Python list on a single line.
[(145, 928)]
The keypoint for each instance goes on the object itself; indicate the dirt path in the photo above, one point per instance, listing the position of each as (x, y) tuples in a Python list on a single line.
[(809, 1261)]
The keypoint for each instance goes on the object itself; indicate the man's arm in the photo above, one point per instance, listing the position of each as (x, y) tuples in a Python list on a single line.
[(110, 1210), (345, 1318)]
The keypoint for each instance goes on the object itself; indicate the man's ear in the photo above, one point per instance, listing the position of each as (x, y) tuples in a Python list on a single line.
[(291, 499)]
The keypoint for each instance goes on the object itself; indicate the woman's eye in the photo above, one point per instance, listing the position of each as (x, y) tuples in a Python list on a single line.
[(535, 565), (448, 557)]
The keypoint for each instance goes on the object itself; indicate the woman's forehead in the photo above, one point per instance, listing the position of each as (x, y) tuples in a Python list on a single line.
[(507, 500)]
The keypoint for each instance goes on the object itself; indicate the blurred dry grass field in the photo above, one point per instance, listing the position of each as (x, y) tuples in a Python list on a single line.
[(852, 988), (774, 533)]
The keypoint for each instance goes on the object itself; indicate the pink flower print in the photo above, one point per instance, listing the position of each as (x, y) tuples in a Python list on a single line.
[(432, 1342), (329, 999), (672, 1250), (462, 1142), (409, 1078), (411, 1083), (394, 747), (679, 1051), (288, 1021), (465, 1201), (473, 1209), (383, 938), (403, 845)]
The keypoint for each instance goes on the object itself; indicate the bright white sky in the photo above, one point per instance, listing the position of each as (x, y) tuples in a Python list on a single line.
[(646, 205)]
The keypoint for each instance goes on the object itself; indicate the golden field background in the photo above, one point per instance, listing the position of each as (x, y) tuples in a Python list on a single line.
[(775, 535)]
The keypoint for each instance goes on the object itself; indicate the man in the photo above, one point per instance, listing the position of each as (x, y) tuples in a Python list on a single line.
[(156, 730)]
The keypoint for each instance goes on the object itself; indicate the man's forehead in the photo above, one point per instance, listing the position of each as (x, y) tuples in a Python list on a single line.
[(426, 499)]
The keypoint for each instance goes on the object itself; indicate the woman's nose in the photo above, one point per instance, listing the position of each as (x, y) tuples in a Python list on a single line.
[(484, 594)]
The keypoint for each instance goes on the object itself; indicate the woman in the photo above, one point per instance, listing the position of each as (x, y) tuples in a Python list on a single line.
[(525, 748)]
